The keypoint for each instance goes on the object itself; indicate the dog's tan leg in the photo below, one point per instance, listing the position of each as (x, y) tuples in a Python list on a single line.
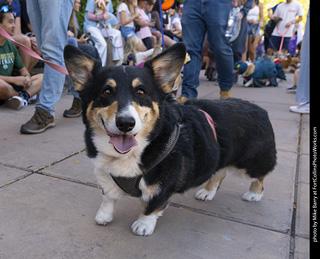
[(210, 190), (145, 224), (255, 192)]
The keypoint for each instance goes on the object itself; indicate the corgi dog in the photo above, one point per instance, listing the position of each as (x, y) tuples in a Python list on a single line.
[(144, 145)]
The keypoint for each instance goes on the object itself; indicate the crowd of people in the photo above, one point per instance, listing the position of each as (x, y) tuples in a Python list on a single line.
[(133, 32)]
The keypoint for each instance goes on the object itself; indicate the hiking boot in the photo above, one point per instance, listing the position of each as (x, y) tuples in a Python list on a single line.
[(75, 110), (181, 99), (225, 94), (40, 121)]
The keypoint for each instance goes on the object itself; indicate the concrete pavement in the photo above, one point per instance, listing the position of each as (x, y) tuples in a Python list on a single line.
[(49, 196)]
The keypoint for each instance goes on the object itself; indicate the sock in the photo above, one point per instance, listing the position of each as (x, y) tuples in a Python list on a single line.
[(24, 95)]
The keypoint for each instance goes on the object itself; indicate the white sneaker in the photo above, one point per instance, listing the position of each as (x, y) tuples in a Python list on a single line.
[(15, 102), (302, 108), (33, 99)]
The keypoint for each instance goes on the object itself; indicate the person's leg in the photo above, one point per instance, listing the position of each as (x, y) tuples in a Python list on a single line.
[(274, 44), (147, 43), (117, 44), (245, 53), (36, 85), (303, 91), (193, 32), (10, 95), (28, 61), (100, 43), (6, 90), (49, 21), (216, 17), (253, 46), (127, 32), (157, 35)]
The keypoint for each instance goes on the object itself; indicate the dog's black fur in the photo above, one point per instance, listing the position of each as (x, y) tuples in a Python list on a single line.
[(245, 138)]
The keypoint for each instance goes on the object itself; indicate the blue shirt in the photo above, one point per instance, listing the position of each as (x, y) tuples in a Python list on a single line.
[(15, 7), (90, 7)]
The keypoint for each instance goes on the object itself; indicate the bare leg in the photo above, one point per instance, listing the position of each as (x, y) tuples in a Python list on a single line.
[(28, 61), (6, 90), (36, 85)]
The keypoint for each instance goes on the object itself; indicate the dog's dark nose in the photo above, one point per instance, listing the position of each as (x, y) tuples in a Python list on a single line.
[(125, 124)]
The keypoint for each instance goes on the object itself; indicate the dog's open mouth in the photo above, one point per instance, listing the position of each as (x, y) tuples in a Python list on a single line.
[(122, 143)]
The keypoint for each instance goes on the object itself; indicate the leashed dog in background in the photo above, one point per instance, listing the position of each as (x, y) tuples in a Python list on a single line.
[(143, 145)]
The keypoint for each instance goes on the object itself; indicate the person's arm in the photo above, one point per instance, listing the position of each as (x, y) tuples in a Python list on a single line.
[(260, 15), (177, 26), (276, 16), (294, 21), (27, 77), (23, 80), (144, 24), (96, 18), (124, 20), (18, 25), (156, 17), (237, 3)]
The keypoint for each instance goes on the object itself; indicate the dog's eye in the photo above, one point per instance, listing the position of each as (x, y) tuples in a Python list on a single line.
[(107, 92), (140, 92)]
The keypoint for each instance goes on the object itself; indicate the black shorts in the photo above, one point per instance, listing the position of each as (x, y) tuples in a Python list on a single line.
[(17, 87)]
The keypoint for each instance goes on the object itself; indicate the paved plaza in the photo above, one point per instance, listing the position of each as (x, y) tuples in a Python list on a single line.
[(49, 196)]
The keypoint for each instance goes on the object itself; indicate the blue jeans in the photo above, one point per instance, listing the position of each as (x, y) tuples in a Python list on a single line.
[(49, 20), (199, 17), (127, 32), (303, 90)]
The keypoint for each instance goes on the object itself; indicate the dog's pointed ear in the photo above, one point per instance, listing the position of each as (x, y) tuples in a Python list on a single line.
[(79, 65), (167, 66)]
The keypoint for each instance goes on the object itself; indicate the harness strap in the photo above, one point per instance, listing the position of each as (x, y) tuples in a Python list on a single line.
[(129, 185), (210, 121)]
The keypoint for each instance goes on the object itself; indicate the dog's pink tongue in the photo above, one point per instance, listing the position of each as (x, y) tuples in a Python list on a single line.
[(123, 143)]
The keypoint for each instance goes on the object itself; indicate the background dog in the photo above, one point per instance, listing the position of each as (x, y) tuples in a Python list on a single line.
[(143, 145)]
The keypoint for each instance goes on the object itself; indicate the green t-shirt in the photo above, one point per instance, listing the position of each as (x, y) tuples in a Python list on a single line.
[(9, 59)]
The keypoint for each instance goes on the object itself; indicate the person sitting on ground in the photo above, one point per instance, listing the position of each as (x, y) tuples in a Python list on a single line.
[(133, 52), (28, 61), (15, 91)]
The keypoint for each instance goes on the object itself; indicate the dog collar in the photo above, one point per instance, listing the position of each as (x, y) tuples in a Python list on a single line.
[(130, 185)]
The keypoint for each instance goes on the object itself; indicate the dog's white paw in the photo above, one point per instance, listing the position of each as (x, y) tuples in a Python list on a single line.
[(103, 217), (144, 225), (251, 196), (205, 195)]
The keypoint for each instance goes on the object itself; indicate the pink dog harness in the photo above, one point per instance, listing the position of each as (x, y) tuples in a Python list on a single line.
[(210, 121)]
